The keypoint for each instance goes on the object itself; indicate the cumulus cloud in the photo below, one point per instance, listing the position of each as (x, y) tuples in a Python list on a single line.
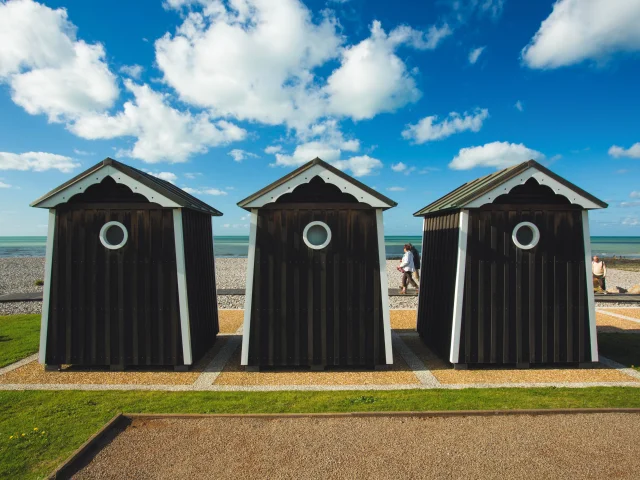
[(204, 191), (396, 189), (465, 9), (273, 149), (4, 185), (133, 71), (398, 167), (631, 221), (579, 30), (518, 105), (37, 162), (631, 152), (428, 129), (192, 175), (168, 176), (162, 132), (495, 154), (239, 155), (360, 166), (47, 69), (635, 194), (474, 54)]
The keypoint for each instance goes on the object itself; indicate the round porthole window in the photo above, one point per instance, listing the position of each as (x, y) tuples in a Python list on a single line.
[(113, 235), (525, 235), (317, 235)]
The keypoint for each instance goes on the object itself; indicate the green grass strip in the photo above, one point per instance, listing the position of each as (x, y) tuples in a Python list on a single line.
[(64, 420), (19, 337)]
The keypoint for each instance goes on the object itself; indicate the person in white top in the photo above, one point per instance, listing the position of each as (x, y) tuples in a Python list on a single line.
[(599, 270), (407, 268)]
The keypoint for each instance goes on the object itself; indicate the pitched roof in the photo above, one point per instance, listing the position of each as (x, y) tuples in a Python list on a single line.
[(316, 167), (172, 195), (465, 195)]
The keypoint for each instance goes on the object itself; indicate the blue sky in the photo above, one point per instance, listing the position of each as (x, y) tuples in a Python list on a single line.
[(224, 97)]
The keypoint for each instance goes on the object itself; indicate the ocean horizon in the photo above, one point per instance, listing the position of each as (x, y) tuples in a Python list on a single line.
[(238, 246)]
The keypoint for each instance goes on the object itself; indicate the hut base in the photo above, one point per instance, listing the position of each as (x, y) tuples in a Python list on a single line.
[(382, 367), (318, 368), (522, 365), (51, 368), (116, 368), (181, 368), (460, 366), (252, 368)]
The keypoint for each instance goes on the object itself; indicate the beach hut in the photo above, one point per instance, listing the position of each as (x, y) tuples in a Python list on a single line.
[(317, 292), (506, 271), (129, 272)]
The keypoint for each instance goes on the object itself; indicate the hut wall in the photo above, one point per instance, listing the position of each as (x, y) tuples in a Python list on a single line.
[(114, 307), (437, 280), (201, 281), (316, 307), (525, 306)]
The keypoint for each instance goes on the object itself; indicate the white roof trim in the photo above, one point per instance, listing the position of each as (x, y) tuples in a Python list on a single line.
[(542, 179), (326, 175), (97, 176)]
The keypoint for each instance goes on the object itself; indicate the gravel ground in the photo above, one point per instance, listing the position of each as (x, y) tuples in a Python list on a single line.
[(514, 446)]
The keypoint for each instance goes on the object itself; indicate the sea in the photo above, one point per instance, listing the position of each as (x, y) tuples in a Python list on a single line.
[(238, 247)]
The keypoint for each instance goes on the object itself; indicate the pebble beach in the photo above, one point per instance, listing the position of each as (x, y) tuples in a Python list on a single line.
[(21, 273)]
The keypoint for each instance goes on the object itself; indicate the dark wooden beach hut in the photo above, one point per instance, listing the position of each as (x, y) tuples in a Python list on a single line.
[(129, 273), (317, 292), (506, 271)]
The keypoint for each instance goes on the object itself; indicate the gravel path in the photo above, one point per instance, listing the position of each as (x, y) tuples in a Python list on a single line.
[(20, 274), (514, 446)]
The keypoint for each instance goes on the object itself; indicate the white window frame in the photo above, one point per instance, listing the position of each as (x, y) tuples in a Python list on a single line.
[(534, 241), (306, 231), (103, 235)]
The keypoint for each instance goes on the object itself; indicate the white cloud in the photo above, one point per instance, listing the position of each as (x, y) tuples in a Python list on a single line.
[(519, 106), (259, 60), (162, 132), (230, 188), (359, 166), (396, 189), (635, 194), (475, 54), (372, 78), (133, 71), (204, 191), (495, 154), (48, 70), (82, 152), (631, 221), (579, 30), (635, 203), (465, 9), (239, 155), (4, 185), (168, 176), (428, 129), (273, 149), (37, 162), (398, 167), (632, 152), (192, 175)]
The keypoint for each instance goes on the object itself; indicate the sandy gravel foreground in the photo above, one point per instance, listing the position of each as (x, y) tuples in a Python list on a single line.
[(522, 446)]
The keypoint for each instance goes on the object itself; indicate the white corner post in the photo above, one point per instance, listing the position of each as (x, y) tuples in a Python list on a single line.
[(183, 298), (424, 227), (248, 296), (384, 288), (456, 327), (46, 291), (591, 304)]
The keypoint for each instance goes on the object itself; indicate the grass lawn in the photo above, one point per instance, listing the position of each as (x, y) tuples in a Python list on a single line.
[(19, 337), (624, 348), (64, 420)]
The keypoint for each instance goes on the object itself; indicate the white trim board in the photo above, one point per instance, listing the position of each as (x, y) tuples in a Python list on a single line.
[(246, 326), (326, 175), (542, 179), (456, 324), (183, 297), (46, 291), (384, 289), (591, 305), (97, 176)]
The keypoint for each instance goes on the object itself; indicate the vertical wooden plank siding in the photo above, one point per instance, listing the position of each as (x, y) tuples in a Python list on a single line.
[(201, 281), (525, 306), (438, 268), (315, 307), (114, 307)]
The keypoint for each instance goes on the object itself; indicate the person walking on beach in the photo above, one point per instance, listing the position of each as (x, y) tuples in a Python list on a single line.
[(407, 268), (599, 270), (416, 262)]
